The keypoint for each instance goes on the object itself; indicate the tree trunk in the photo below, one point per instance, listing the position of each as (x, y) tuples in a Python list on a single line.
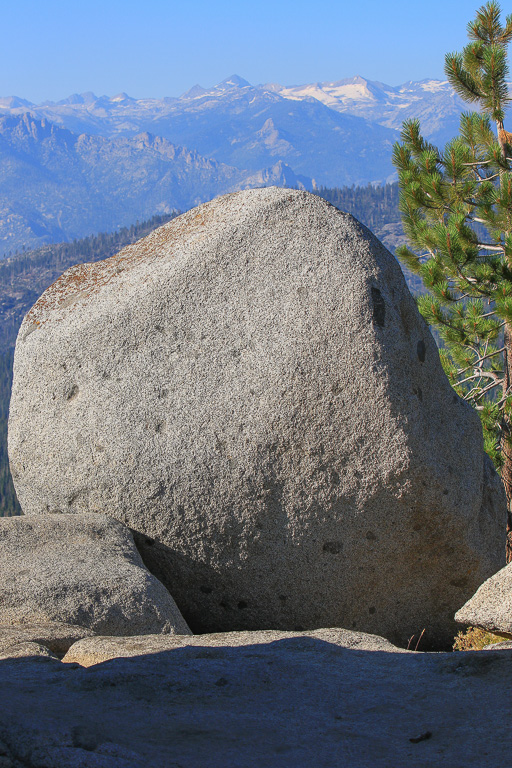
[(506, 425), (506, 439), (502, 138)]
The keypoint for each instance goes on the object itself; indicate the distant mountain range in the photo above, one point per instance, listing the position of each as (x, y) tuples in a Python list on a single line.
[(57, 185), (89, 163), (433, 102)]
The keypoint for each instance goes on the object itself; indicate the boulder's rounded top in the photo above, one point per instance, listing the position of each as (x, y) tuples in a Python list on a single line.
[(249, 210)]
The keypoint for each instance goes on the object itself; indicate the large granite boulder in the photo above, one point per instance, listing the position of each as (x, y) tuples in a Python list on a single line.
[(252, 391), (82, 570), (491, 606)]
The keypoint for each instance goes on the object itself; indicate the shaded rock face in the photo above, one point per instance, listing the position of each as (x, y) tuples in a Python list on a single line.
[(312, 700), (79, 569), (253, 392)]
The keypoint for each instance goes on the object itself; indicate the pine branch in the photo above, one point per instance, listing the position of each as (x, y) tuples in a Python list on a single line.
[(456, 207), (481, 375), (481, 360), (485, 391), (490, 247)]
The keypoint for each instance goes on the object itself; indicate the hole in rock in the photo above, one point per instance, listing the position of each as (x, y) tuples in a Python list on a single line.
[(333, 547), (379, 307), (73, 392), (421, 350)]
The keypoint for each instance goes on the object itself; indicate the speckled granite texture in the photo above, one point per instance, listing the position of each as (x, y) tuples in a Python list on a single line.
[(252, 390)]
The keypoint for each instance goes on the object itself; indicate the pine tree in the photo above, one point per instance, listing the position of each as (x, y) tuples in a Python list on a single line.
[(456, 207)]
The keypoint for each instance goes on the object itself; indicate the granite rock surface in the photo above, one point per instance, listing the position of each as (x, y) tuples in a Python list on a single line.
[(94, 650), (24, 650), (79, 569), (252, 390), (295, 701), (491, 606), (55, 636)]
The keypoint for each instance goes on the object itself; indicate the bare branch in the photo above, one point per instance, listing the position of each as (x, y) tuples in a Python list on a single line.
[(489, 247), (482, 375), (488, 178), (484, 391), (501, 402)]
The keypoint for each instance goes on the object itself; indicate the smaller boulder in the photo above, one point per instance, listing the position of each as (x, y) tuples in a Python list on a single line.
[(84, 570), (26, 651), (491, 606), (506, 645), (55, 636)]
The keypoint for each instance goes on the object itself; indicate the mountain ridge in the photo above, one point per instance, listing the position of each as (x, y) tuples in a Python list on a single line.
[(59, 185), (347, 95), (356, 119), (125, 158)]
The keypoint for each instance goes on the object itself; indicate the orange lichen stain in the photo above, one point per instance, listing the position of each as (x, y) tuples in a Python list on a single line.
[(81, 282)]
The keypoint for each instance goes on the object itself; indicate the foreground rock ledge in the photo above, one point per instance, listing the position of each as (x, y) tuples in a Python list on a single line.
[(252, 391), (298, 701), (95, 650)]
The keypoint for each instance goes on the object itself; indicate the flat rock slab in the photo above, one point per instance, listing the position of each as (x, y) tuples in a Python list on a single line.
[(491, 606), (80, 569), (95, 650), (252, 390), (296, 701), (55, 636)]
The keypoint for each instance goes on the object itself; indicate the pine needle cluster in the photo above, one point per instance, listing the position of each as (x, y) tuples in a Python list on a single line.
[(456, 206)]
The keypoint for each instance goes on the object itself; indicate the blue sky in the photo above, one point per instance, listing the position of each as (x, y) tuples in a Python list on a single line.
[(51, 49)]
